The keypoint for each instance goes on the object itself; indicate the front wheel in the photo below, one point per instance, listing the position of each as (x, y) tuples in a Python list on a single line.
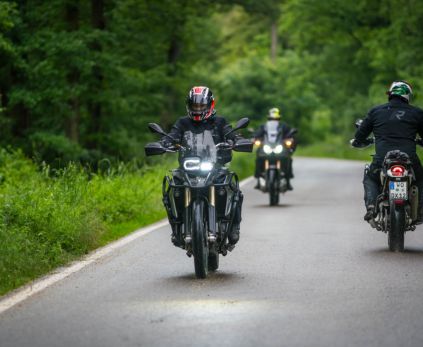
[(272, 181), (396, 228), (199, 240), (213, 261)]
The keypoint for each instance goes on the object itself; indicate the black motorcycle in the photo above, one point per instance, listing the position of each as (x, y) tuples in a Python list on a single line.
[(396, 208), (202, 196), (276, 152)]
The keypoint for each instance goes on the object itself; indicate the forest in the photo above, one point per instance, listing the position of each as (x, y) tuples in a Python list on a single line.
[(80, 81)]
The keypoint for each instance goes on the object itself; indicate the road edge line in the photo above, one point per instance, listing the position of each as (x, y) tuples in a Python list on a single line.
[(36, 286)]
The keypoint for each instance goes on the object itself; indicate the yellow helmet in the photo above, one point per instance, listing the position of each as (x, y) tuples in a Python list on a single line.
[(274, 114)]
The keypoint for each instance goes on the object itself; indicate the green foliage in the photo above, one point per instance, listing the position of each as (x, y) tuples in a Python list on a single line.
[(49, 217)]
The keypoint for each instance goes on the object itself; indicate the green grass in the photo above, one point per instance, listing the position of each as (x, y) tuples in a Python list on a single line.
[(49, 218), (336, 147)]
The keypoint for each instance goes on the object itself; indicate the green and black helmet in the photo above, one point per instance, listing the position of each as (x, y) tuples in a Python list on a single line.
[(401, 89)]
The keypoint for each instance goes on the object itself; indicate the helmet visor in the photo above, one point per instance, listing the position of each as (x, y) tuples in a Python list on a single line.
[(198, 108)]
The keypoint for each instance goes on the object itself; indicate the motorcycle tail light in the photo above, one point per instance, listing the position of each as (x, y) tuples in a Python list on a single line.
[(397, 171)]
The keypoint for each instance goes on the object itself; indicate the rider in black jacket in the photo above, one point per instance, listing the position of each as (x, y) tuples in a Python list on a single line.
[(395, 126), (202, 117)]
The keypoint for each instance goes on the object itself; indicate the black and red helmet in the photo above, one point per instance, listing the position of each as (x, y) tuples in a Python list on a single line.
[(200, 104)]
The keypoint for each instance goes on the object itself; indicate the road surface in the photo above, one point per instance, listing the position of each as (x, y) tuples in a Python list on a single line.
[(307, 273)]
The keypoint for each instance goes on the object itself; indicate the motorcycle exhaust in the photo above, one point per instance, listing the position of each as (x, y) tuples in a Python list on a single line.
[(414, 202)]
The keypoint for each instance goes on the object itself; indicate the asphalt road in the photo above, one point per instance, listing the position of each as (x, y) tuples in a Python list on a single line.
[(307, 273)]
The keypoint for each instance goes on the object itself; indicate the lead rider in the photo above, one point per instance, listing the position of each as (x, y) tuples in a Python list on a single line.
[(395, 126), (202, 117)]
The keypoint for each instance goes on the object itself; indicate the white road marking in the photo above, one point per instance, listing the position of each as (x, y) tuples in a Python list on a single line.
[(34, 287)]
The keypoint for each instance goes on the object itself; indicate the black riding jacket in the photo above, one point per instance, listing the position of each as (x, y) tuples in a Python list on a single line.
[(218, 126), (394, 125)]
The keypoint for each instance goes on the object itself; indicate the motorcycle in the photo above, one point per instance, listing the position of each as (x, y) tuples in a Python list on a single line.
[(397, 205), (201, 197), (277, 152)]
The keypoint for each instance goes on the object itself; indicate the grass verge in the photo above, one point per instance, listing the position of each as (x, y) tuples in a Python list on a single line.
[(50, 218)]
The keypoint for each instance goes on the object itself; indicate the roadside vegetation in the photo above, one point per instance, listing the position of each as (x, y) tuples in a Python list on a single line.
[(50, 217)]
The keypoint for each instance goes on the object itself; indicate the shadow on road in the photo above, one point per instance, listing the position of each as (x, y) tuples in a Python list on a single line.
[(408, 252), (213, 277), (277, 206)]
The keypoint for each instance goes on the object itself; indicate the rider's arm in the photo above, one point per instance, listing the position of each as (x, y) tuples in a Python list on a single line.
[(420, 124), (365, 129), (285, 130), (259, 134)]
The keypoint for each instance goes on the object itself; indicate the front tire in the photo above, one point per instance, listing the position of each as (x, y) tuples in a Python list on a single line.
[(397, 228), (273, 188), (200, 249), (213, 261)]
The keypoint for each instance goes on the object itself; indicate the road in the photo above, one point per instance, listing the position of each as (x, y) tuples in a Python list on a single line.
[(307, 273)]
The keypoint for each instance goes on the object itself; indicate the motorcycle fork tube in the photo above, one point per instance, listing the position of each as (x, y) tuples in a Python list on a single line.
[(266, 165), (234, 209), (187, 214), (212, 210), (278, 164)]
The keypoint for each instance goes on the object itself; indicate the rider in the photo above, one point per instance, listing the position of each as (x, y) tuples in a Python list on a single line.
[(200, 105), (394, 126), (274, 115)]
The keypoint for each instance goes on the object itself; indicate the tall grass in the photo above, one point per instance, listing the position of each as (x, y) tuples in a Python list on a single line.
[(49, 218)]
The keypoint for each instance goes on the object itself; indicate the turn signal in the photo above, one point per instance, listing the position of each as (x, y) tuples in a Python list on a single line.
[(257, 143), (288, 143)]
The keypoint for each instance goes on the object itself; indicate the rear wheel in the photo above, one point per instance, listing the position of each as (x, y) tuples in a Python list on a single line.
[(199, 240), (396, 228)]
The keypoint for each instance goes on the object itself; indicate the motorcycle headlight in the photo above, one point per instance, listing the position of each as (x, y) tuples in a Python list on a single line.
[(267, 149), (192, 164), (278, 149), (206, 166)]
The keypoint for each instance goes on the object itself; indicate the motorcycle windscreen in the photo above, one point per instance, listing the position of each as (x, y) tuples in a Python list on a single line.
[(272, 132), (200, 145)]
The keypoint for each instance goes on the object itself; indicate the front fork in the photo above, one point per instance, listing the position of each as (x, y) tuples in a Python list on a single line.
[(211, 213)]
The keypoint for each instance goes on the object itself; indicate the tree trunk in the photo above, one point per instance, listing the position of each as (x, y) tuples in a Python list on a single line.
[(274, 41), (174, 52), (72, 122), (98, 22)]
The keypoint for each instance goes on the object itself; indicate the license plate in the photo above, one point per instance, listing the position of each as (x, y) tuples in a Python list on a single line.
[(398, 190)]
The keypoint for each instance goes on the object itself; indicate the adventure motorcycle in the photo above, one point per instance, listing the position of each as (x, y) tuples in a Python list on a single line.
[(276, 152), (201, 197), (396, 207)]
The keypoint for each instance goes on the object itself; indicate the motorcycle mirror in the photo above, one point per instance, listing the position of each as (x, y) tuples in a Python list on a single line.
[(155, 128), (292, 132), (243, 145), (154, 148), (242, 123)]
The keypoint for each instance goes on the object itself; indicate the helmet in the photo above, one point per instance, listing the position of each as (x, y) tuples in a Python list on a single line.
[(274, 114), (200, 104), (401, 89)]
